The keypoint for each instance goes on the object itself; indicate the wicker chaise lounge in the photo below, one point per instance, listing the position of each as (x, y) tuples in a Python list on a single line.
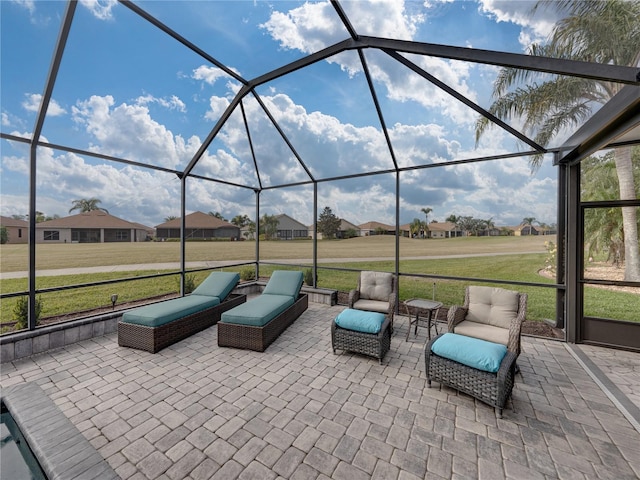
[(154, 327), (255, 324)]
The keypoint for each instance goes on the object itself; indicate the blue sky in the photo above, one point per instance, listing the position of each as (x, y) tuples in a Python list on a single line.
[(127, 89)]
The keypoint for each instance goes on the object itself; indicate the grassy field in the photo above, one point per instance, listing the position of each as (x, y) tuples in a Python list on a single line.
[(516, 266), (14, 258)]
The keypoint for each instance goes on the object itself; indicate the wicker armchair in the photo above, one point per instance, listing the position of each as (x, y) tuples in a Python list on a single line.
[(492, 314), (376, 292)]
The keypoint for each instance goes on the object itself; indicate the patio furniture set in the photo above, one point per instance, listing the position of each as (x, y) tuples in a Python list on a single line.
[(476, 356)]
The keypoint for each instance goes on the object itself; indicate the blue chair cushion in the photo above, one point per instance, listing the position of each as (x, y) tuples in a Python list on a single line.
[(258, 311), (164, 312), (284, 282), (360, 321), (473, 352), (218, 284)]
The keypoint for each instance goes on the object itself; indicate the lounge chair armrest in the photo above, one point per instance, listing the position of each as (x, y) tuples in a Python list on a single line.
[(392, 304), (455, 315), (515, 329), (507, 367), (354, 296)]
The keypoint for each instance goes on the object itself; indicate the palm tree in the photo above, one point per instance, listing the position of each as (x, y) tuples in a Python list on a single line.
[(426, 211), (605, 32), (268, 226), (415, 227), (528, 222), (603, 227), (489, 225), (87, 205), (241, 221)]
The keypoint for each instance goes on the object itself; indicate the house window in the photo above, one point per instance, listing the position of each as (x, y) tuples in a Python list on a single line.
[(51, 235), (122, 235), (19, 233)]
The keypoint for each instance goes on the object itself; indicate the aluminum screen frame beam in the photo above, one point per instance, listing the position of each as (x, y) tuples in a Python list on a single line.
[(616, 117)]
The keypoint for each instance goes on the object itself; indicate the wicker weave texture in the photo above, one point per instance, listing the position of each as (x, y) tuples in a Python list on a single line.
[(491, 388), (372, 344), (259, 338), (154, 339)]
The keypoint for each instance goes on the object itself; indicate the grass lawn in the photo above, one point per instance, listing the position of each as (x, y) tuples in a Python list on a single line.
[(519, 259), (14, 258)]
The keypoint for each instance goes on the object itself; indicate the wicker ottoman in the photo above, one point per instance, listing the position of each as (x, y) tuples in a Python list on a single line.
[(372, 344), (491, 388)]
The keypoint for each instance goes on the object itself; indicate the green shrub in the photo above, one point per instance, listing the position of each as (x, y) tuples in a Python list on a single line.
[(4, 235), (189, 284), (21, 312), (248, 273), (308, 277)]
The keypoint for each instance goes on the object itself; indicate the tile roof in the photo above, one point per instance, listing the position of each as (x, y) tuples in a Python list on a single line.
[(13, 222), (374, 225), (92, 219), (197, 220)]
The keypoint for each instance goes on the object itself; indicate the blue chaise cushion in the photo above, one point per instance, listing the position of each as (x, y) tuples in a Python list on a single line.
[(284, 282), (164, 312), (360, 321), (258, 311), (473, 352), (218, 284)]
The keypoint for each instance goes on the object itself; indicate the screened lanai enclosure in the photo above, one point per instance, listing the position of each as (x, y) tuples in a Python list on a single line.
[(387, 114)]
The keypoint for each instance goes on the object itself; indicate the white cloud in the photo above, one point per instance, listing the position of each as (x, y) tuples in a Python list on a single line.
[(171, 103), (28, 4), (209, 74), (32, 104), (535, 26), (217, 106), (307, 28), (101, 9), (313, 26), (5, 120), (129, 131)]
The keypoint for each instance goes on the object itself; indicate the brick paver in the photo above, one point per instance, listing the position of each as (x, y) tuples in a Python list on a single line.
[(195, 410)]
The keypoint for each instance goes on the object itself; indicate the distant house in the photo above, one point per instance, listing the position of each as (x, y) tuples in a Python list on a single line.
[(17, 230), (345, 230), (522, 230), (198, 225), (291, 229), (346, 227), (95, 226), (405, 231), (376, 228), (444, 230)]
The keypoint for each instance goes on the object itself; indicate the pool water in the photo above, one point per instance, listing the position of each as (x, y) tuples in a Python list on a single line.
[(18, 462)]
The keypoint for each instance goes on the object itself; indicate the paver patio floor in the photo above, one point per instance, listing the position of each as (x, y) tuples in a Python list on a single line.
[(297, 411)]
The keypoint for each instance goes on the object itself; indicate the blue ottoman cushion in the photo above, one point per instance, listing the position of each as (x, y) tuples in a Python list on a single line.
[(473, 352), (360, 321)]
